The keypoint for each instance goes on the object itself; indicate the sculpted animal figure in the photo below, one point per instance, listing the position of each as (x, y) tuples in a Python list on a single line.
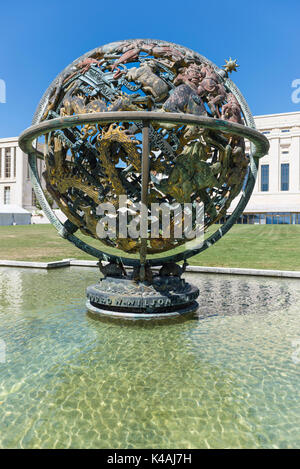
[(78, 104), (163, 51), (61, 180), (150, 81), (185, 99), (210, 89), (215, 95), (131, 51), (172, 269), (208, 73), (112, 270), (83, 67), (190, 173), (127, 102), (190, 75), (231, 111)]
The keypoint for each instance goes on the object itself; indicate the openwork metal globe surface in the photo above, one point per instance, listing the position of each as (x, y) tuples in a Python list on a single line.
[(95, 162), (151, 123)]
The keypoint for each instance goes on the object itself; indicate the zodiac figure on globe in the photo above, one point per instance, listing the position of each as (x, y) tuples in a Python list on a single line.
[(133, 130)]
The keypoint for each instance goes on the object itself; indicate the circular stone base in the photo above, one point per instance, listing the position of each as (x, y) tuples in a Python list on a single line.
[(165, 297)]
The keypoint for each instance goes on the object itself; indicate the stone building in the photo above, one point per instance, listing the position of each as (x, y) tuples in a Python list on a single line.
[(15, 185), (276, 196)]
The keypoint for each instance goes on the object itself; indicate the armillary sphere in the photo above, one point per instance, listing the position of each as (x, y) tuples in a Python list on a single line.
[(156, 123)]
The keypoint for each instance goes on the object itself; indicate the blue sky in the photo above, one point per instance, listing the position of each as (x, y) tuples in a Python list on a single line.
[(40, 38)]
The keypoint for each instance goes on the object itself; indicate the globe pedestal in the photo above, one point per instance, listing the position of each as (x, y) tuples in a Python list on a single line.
[(164, 297)]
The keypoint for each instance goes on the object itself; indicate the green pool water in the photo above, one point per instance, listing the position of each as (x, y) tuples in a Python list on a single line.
[(229, 377)]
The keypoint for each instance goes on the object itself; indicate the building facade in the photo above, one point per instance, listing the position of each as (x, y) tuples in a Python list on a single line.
[(15, 184), (275, 199), (276, 195)]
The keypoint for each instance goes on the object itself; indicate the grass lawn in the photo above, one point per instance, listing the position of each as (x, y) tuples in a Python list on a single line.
[(252, 246)]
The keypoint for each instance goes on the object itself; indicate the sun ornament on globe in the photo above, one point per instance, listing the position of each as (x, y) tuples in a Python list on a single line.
[(144, 150)]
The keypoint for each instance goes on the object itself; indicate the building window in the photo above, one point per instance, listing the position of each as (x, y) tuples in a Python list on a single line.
[(270, 218), (33, 198), (266, 132), (264, 178), (285, 130), (6, 195), (15, 162), (285, 177), (7, 166)]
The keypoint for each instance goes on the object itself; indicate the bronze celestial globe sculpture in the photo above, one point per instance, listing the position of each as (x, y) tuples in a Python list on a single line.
[(135, 130)]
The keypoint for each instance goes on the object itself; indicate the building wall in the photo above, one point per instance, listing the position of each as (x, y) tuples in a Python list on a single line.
[(19, 178), (6, 180), (283, 133)]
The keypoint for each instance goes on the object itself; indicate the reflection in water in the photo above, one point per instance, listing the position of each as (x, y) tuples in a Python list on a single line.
[(11, 288), (223, 295), (226, 380)]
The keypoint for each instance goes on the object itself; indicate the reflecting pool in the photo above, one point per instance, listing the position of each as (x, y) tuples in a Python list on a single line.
[(229, 377)]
